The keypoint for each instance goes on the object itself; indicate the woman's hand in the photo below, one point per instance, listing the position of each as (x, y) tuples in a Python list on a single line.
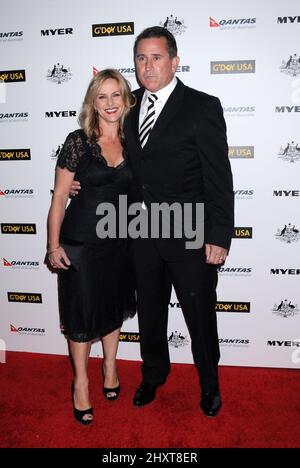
[(58, 258)]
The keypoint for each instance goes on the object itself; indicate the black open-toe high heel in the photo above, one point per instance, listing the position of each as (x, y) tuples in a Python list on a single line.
[(79, 414), (110, 394)]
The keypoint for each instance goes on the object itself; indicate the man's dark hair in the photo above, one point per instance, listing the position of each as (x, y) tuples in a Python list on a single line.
[(157, 31)]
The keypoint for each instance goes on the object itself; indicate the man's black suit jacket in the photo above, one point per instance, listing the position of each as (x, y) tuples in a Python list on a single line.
[(185, 160)]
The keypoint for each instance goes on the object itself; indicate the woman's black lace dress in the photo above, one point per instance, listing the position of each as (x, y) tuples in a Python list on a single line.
[(96, 298)]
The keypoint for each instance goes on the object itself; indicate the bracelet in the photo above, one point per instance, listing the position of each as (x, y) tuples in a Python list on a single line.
[(51, 251)]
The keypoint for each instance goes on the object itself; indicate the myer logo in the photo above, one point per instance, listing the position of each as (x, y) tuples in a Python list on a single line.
[(18, 228), (15, 154), (11, 76), (20, 264), (232, 23), (242, 233), (56, 32), (235, 271), (283, 344), (288, 109), (11, 36), (27, 330), (174, 305), (232, 66), (112, 29), (285, 271), (14, 117), (35, 298), (286, 193), (129, 337), (244, 194), (16, 193), (233, 307), (52, 114), (236, 342), (288, 19), (241, 152)]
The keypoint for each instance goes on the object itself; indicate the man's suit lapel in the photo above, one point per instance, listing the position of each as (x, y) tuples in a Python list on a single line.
[(169, 111), (135, 114)]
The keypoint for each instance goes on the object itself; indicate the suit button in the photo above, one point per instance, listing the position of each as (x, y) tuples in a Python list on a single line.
[(145, 186)]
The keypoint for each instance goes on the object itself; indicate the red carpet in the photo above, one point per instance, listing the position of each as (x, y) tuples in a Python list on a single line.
[(261, 408)]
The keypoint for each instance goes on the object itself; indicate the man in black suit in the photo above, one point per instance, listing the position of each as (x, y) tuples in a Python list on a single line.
[(177, 146)]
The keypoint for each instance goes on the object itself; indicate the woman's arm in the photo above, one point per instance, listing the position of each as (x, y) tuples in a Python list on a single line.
[(63, 182)]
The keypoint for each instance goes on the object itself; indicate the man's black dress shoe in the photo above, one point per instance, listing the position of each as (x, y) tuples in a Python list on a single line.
[(144, 394), (210, 403)]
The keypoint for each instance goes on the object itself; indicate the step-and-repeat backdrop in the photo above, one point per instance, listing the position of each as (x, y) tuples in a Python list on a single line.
[(247, 54)]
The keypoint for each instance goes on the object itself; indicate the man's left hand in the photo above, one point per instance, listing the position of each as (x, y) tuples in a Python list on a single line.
[(215, 255)]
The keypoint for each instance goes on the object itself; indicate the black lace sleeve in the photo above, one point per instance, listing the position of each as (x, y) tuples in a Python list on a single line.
[(71, 152)]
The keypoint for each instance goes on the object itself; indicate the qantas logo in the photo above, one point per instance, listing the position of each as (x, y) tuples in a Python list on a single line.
[(20, 264), (27, 330), (232, 23), (213, 23), (17, 193)]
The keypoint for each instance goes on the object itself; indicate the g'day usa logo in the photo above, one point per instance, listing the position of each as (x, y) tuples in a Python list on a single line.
[(285, 309), (18, 228), (112, 29), (173, 24), (288, 234), (12, 76), (232, 23), (32, 298), (291, 66), (233, 307)]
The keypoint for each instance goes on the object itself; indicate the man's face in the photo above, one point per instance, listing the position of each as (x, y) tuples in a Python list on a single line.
[(155, 68)]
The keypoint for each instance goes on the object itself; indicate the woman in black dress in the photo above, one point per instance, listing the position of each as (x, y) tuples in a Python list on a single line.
[(95, 281)]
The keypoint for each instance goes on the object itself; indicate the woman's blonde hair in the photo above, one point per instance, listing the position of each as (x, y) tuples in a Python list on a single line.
[(89, 118)]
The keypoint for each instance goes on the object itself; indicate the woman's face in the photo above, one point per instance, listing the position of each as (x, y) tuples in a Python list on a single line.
[(109, 102)]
